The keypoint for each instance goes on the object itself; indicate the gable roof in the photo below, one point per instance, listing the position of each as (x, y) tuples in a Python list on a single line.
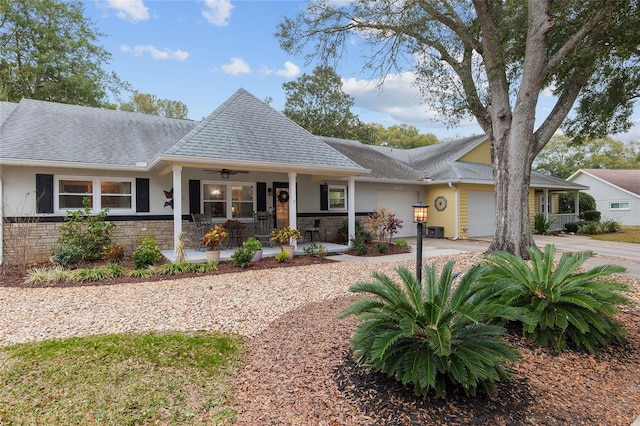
[(43, 133), (625, 179), (245, 129)]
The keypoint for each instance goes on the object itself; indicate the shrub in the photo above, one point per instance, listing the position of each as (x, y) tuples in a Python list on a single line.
[(316, 250), (430, 334), (282, 257), (361, 232), (572, 227), (541, 224), (89, 232), (610, 225), (561, 305), (591, 215), (146, 254), (402, 243), (67, 255), (383, 224), (382, 247), (113, 252), (590, 228), (566, 202), (242, 257), (359, 246)]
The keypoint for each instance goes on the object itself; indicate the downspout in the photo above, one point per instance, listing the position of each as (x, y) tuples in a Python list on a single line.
[(457, 218)]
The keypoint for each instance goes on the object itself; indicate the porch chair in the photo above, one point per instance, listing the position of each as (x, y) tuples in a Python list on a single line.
[(201, 223), (263, 225), (313, 230)]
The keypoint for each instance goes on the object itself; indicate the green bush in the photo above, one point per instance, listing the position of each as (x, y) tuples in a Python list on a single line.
[(572, 227), (361, 232), (316, 250), (558, 305), (610, 225), (541, 224), (282, 257), (359, 246), (590, 228), (382, 247), (402, 243), (428, 334), (113, 252), (146, 254), (591, 216), (67, 255), (242, 257), (89, 232)]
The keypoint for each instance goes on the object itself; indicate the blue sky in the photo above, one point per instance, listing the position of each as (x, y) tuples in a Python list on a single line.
[(200, 52)]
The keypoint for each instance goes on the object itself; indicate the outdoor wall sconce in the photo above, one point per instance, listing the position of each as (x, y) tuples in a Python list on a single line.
[(224, 174), (420, 212)]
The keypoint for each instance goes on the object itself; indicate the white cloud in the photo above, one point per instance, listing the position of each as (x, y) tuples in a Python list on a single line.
[(290, 70), (165, 54), (236, 66), (130, 10), (217, 12)]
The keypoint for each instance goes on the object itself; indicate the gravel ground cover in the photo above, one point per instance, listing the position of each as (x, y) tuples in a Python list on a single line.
[(298, 370)]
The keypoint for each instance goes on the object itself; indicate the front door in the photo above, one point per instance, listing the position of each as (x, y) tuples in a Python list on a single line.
[(281, 203)]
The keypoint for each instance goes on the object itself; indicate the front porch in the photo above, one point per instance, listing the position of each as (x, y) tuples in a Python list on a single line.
[(199, 256)]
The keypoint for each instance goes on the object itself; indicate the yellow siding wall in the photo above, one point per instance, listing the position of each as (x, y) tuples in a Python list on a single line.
[(479, 154), (445, 218)]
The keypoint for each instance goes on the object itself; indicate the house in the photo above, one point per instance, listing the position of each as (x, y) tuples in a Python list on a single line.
[(154, 173), (617, 192)]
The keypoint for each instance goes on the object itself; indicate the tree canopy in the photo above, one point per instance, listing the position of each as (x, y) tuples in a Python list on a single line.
[(562, 157), (150, 104), (49, 51), (318, 103), (403, 136), (492, 60)]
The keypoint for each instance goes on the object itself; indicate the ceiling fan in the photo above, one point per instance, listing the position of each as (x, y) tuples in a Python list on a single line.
[(225, 173)]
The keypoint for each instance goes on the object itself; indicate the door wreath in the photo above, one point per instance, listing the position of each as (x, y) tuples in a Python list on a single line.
[(283, 196)]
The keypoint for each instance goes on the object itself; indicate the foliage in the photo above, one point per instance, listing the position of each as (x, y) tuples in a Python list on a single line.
[(573, 227), (180, 251), (383, 224), (361, 232), (213, 238), (590, 227), (282, 257), (122, 379), (610, 225), (402, 243), (242, 256), (316, 250), (317, 103), (113, 252), (359, 245), (285, 235), (141, 273), (558, 305), (541, 224), (150, 104), (96, 274), (89, 232), (146, 253), (67, 255), (252, 244), (49, 52), (591, 215), (627, 234), (382, 247), (430, 334), (566, 202), (492, 60), (402, 136)]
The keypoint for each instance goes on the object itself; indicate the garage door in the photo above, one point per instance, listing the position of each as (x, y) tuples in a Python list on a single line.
[(400, 202), (482, 217)]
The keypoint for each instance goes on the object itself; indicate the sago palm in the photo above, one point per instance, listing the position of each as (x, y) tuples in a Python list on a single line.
[(558, 304), (428, 334)]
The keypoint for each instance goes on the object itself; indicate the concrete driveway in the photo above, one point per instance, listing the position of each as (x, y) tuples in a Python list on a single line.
[(606, 252)]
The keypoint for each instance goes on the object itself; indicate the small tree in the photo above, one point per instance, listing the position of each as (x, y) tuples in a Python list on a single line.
[(384, 225)]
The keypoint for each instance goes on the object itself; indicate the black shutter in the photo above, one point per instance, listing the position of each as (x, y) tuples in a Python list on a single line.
[(324, 197), (194, 196), (261, 197), (142, 195), (44, 193)]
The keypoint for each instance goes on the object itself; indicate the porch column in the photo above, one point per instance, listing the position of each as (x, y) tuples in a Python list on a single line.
[(547, 207), (177, 205), (351, 207), (576, 205), (293, 202)]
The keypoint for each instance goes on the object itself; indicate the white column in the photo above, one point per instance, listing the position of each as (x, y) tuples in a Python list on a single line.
[(547, 207), (351, 207), (576, 206), (293, 202), (177, 205)]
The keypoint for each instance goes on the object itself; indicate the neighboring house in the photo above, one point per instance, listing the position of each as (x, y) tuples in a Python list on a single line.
[(617, 192), (154, 172)]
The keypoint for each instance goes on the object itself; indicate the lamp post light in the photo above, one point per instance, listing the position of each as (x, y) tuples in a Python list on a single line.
[(419, 217)]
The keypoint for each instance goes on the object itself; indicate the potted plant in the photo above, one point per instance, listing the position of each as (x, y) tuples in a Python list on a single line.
[(255, 246), (283, 237), (212, 241)]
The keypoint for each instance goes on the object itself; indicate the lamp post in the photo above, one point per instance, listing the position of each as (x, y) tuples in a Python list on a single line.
[(419, 217)]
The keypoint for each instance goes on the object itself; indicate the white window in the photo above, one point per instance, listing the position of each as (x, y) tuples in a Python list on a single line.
[(228, 200), (337, 197), (116, 194), (618, 205)]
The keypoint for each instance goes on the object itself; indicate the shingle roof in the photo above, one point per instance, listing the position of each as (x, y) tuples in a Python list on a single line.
[(244, 128), (627, 179), (6, 108), (48, 131)]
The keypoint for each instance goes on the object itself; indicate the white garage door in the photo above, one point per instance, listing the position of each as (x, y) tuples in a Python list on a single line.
[(482, 217), (400, 202)]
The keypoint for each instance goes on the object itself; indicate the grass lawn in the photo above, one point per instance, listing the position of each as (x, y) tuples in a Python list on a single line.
[(629, 234), (168, 379)]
